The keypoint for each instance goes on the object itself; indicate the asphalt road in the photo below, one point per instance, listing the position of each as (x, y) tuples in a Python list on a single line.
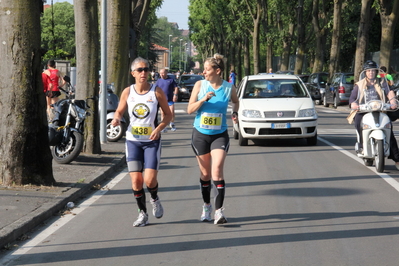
[(286, 204)]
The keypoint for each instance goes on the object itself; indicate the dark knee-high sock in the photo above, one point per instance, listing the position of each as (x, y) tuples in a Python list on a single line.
[(140, 198), (153, 191), (206, 190), (220, 186)]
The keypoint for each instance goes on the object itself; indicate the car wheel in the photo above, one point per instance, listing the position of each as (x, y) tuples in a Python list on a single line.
[(335, 102), (242, 141), (312, 140), (235, 134), (325, 101)]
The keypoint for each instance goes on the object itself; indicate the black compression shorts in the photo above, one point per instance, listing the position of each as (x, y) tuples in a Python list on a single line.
[(203, 144)]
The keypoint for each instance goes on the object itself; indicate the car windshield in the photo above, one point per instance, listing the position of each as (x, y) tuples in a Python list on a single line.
[(190, 79), (274, 88)]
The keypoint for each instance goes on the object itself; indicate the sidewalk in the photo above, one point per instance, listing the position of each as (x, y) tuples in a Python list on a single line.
[(23, 208)]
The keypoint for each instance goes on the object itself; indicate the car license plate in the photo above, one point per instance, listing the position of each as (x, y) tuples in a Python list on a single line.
[(280, 125)]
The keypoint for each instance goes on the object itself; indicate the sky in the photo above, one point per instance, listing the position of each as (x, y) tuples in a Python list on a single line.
[(174, 10)]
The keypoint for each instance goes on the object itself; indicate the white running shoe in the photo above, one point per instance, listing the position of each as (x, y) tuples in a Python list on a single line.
[(172, 127), (142, 220), (219, 216), (157, 209), (165, 130), (206, 213)]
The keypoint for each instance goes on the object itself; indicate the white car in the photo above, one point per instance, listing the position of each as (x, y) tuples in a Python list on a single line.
[(275, 107)]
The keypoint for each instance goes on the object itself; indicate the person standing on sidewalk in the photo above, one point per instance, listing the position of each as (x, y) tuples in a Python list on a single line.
[(143, 136), (53, 90), (210, 140), (169, 87)]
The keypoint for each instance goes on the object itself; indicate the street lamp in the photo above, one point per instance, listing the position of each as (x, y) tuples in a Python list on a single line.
[(185, 52), (170, 35), (171, 55), (180, 55)]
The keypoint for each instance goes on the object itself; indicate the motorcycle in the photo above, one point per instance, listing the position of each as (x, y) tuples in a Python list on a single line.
[(113, 133), (66, 128)]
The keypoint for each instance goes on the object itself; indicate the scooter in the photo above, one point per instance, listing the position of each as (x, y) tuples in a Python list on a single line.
[(113, 133), (376, 133)]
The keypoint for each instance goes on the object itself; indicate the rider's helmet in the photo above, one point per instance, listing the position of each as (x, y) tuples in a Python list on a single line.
[(369, 64)]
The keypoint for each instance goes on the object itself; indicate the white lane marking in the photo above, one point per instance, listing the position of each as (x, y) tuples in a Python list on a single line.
[(387, 178), (336, 131), (331, 111), (59, 222)]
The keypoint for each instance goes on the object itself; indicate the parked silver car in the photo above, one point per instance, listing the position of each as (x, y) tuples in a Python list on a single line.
[(339, 91)]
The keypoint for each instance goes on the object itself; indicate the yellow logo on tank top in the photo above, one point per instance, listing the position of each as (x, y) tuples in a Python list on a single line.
[(141, 111)]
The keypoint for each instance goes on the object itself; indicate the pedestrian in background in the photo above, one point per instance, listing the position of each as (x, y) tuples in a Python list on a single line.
[(210, 140), (53, 90), (386, 75), (169, 87), (143, 137), (232, 77)]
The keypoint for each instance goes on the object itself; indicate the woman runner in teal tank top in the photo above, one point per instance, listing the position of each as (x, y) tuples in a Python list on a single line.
[(210, 139)]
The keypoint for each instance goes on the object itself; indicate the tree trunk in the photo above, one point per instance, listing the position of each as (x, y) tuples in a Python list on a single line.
[(336, 38), (24, 147), (247, 63), (362, 36), (389, 17), (300, 52), (255, 45), (239, 62), (287, 41), (87, 50), (319, 21), (118, 68)]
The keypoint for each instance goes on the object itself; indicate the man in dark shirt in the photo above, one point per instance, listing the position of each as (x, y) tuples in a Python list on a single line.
[(171, 91)]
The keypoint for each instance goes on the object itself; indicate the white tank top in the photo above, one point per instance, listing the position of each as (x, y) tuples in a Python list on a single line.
[(143, 113)]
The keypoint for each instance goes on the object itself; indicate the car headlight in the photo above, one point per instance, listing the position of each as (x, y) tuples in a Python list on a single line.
[(183, 89), (307, 112), (251, 113)]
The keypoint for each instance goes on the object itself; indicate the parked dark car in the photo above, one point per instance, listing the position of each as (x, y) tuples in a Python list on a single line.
[(339, 91), (286, 72), (186, 84), (317, 85), (172, 76), (304, 77)]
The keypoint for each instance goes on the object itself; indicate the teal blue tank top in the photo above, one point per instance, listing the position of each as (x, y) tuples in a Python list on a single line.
[(211, 116)]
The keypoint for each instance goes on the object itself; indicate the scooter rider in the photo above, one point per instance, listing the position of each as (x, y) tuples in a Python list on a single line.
[(367, 89)]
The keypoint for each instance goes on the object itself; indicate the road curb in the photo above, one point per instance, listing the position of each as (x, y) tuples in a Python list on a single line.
[(25, 224)]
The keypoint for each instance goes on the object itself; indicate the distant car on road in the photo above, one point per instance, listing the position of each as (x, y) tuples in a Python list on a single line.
[(339, 91), (275, 107), (186, 83), (317, 85)]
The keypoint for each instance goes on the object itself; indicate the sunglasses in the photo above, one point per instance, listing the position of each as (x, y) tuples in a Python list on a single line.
[(141, 69)]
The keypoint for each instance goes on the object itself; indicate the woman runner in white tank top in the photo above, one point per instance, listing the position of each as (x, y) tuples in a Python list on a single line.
[(143, 137)]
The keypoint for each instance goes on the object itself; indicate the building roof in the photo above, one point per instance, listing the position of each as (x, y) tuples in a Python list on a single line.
[(185, 32), (159, 48)]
